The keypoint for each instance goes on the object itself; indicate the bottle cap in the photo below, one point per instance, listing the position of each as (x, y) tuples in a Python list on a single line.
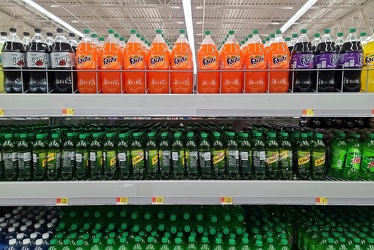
[(259, 243), (231, 32), (182, 31), (304, 31), (26, 33), (158, 31), (3, 33), (319, 136), (122, 39), (340, 34), (272, 35), (86, 31), (133, 32), (352, 30), (59, 30), (288, 39), (204, 135), (278, 32), (111, 32), (294, 35), (13, 30), (116, 35), (208, 32), (326, 31), (317, 35)]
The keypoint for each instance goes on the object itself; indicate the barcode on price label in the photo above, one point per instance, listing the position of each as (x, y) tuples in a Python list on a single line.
[(226, 200), (157, 200), (62, 201), (122, 200)]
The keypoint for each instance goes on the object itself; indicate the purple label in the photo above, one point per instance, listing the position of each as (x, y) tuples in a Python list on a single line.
[(302, 61), (325, 61), (350, 60)]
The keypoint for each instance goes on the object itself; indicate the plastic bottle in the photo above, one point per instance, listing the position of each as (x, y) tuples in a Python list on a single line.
[(151, 156), (205, 158), (165, 157), (178, 159), (181, 59), (350, 57), (13, 57), (219, 158), (303, 158), (285, 158), (3, 36), (49, 40), (367, 165), (232, 157), (82, 158), (231, 82), (68, 158), (96, 158), (54, 158), (318, 158), (245, 157), (353, 159), (255, 61), (124, 157), (191, 157), (158, 59), (110, 158), (293, 42), (338, 155), (137, 157), (272, 157), (24, 156), (208, 60), (302, 58), (259, 157), (367, 75), (39, 158), (73, 42)]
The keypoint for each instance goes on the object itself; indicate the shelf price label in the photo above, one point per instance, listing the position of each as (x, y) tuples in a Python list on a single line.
[(157, 200), (62, 201), (372, 113), (68, 112), (322, 201), (308, 112), (122, 201), (226, 200), (2, 112)]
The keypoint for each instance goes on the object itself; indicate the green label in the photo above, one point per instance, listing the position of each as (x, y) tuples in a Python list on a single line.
[(245, 162), (259, 158), (191, 161), (137, 158), (337, 158), (124, 162), (165, 160), (96, 161), (110, 161), (82, 162), (285, 159), (303, 161), (354, 158), (178, 161), (205, 160), (24, 163), (271, 160), (318, 161), (218, 160), (40, 162), (233, 161), (367, 161), (152, 161), (68, 160)]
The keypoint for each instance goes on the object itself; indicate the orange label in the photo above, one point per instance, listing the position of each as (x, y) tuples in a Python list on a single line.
[(85, 60), (257, 61), (180, 61), (136, 60), (233, 61), (110, 61), (157, 60), (280, 60), (209, 61)]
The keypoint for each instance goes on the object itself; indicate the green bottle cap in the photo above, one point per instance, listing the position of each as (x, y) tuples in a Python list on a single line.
[(53, 242), (316, 35), (284, 242), (122, 240), (326, 31), (122, 39), (81, 136), (164, 240), (340, 34), (182, 31), (370, 240), (258, 134), (272, 35), (304, 135), (178, 241), (158, 31), (255, 32), (232, 242), (208, 32), (295, 35), (93, 35), (204, 135), (23, 136), (79, 242), (278, 32), (259, 243), (219, 241), (226, 231), (151, 134), (288, 39), (177, 135), (150, 239), (319, 136), (9, 136), (66, 242), (352, 30), (85, 31), (270, 240), (132, 31), (213, 219), (96, 240), (190, 134), (212, 231), (231, 32), (111, 32), (272, 135), (304, 31), (147, 216)]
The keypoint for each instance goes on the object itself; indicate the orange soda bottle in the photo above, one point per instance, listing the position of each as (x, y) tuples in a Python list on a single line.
[(111, 59), (279, 57), (158, 59), (208, 60), (232, 82), (134, 59), (181, 59), (86, 59)]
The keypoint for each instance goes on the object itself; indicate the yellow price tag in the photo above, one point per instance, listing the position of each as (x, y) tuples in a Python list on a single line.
[(68, 112), (322, 201), (226, 200), (2, 112), (122, 200), (157, 200), (372, 113), (308, 112), (62, 201)]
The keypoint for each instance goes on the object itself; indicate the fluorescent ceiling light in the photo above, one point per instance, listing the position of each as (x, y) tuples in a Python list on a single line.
[(298, 14), (189, 25), (52, 16)]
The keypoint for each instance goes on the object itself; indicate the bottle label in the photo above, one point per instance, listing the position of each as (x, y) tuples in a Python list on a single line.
[(96, 161), (191, 161), (152, 161), (14, 60), (38, 60), (205, 161), (354, 158), (9, 160), (256, 61), (271, 157), (367, 162), (82, 162), (326, 61), (218, 160), (24, 162), (259, 158), (368, 59), (318, 161), (137, 157), (62, 60), (136, 61), (178, 161), (85, 61), (124, 162), (68, 158), (110, 161), (337, 158), (232, 61), (209, 62), (279, 61), (233, 161), (285, 159), (350, 60), (245, 163), (157, 61), (181, 61), (53, 161), (40, 162), (303, 161), (302, 61), (165, 160), (110, 61)]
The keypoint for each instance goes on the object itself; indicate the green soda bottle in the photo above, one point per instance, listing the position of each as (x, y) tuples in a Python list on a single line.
[(68, 158), (342, 244), (370, 243), (357, 244), (270, 243), (272, 157), (66, 245), (259, 245), (124, 157), (318, 158), (24, 159), (96, 158), (39, 158), (10, 162), (245, 157), (191, 157), (367, 165), (191, 245), (218, 245), (165, 244), (354, 158), (303, 158), (205, 159), (285, 158), (204, 245), (52, 244), (259, 157), (164, 154), (338, 154), (178, 244), (151, 156), (219, 155), (81, 157), (97, 245), (79, 245), (54, 158), (110, 158), (123, 244), (110, 244), (178, 160), (150, 244), (232, 161), (245, 244), (284, 245), (137, 157)]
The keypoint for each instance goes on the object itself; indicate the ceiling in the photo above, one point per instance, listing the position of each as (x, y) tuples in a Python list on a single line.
[(219, 16)]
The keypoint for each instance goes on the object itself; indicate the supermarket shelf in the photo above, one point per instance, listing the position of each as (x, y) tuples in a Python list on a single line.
[(224, 105), (187, 192)]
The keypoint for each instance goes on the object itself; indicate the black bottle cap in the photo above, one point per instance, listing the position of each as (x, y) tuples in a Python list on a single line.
[(13, 30), (71, 35), (38, 30), (3, 34), (49, 34), (59, 30), (26, 33)]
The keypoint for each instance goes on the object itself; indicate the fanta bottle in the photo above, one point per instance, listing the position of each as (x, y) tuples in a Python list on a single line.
[(256, 78), (98, 49), (181, 59), (232, 82), (111, 59), (158, 59), (86, 56), (134, 59), (208, 60), (279, 58)]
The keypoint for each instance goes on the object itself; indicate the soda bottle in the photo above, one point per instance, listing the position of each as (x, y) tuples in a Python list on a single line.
[(13, 57), (24, 159), (350, 57), (62, 58), (293, 42), (367, 75), (208, 60), (245, 157), (151, 156), (124, 157), (279, 59), (191, 157), (303, 158), (38, 58), (134, 59), (49, 40), (318, 158), (177, 155), (181, 59), (10, 163), (164, 154), (354, 158), (82, 158), (96, 159), (272, 157), (259, 157), (73, 42), (231, 82), (110, 158), (255, 62), (232, 157), (205, 158), (111, 59), (367, 165), (325, 57), (219, 158), (316, 40), (158, 59), (302, 58), (3, 36), (54, 159), (68, 158), (338, 155), (39, 158), (87, 59), (137, 157), (285, 158)]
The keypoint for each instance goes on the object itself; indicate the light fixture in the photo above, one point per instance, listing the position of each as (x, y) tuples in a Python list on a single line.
[(298, 14), (189, 25), (52, 16)]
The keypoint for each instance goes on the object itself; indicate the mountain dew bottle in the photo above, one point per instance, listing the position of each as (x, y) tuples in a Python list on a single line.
[(245, 157), (178, 160), (10, 158), (272, 157), (191, 245), (218, 245), (354, 158), (318, 158), (164, 154), (204, 245), (338, 154), (191, 157), (165, 244), (96, 158), (285, 245), (24, 159), (259, 157), (110, 158), (54, 158), (81, 157), (68, 158), (303, 158), (232, 155), (205, 159), (124, 157), (150, 244), (285, 157), (219, 157), (39, 158), (137, 157), (367, 166), (151, 157), (178, 244)]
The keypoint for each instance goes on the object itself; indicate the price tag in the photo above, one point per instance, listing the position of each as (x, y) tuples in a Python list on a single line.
[(122, 200), (226, 200), (308, 112), (2, 112), (322, 201), (62, 201), (68, 112), (157, 200), (372, 113)]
